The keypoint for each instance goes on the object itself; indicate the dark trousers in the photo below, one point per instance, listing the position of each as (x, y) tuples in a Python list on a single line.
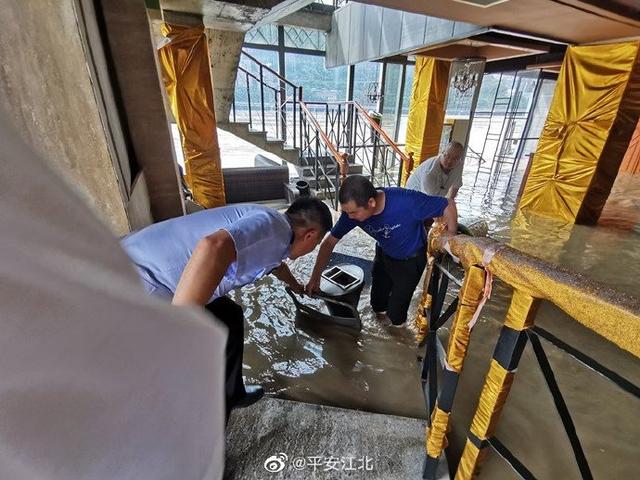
[(393, 283), (230, 313)]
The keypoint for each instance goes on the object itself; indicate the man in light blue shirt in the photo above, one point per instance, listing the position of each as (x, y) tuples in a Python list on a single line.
[(197, 259)]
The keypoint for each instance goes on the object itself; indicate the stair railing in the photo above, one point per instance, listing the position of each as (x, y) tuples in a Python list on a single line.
[(327, 133), (352, 129), (329, 165), (267, 101)]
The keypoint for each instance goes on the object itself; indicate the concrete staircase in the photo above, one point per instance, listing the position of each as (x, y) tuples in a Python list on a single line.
[(260, 139)]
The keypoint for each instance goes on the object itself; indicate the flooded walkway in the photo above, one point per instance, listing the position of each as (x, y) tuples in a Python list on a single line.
[(378, 370)]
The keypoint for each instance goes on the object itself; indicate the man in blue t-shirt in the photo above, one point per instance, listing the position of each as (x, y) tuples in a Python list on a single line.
[(197, 259), (395, 218)]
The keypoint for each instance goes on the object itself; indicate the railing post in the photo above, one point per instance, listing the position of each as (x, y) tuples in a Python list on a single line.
[(262, 98), (469, 297), (282, 108), (506, 356), (300, 111), (249, 101), (295, 117), (275, 112)]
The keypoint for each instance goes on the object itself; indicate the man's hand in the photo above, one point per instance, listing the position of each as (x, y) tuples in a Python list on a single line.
[(283, 273), (327, 246), (297, 288), (313, 285)]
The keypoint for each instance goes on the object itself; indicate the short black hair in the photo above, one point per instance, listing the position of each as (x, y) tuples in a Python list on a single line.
[(309, 211), (356, 188)]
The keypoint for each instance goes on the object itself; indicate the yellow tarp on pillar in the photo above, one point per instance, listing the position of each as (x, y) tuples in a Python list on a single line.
[(187, 78), (592, 116), (426, 109)]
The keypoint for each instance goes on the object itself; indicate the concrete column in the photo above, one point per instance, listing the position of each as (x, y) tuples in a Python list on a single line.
[(224, 53), (46, 89), (135, 64)]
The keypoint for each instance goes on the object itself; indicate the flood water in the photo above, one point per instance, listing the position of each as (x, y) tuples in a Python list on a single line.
[(377, 370)]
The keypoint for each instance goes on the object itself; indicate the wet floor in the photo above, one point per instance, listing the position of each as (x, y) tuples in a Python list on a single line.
[(377, 370)]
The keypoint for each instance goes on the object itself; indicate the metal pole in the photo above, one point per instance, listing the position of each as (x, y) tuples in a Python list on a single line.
[(282, 107), (396, 131), (262, 98), (249, 101)]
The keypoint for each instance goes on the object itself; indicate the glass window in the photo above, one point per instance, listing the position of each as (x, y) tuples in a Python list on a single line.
[(248, 86), (365, 84), (297, 37), (487, 92), (539, 116), (264, 35), (390, 100), (406, 99), (318, 83)]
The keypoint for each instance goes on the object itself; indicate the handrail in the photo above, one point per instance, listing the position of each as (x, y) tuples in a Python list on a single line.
[(341, 158), (612, 315), (246, 72), (266, 67), (596, 306), (379, 129)]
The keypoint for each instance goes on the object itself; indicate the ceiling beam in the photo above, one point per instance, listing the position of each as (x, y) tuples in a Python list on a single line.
[(283, 9), (521, 63)]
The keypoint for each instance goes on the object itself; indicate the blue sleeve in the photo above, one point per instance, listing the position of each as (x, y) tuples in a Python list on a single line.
[(427, 206), (343, 226)]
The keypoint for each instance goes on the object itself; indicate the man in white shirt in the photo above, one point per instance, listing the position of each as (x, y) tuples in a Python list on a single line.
[(440, 175)]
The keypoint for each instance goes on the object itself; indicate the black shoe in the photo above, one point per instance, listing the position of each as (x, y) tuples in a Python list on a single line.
[(252, 395)]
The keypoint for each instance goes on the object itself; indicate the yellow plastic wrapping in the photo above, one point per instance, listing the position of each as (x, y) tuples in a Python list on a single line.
[(492, 398), (471, 456), (494, 393), (522, 311), (437, 434), (426, 110), (187, 78), (422, 322), (593, 113), (612, 315), (470, 296)]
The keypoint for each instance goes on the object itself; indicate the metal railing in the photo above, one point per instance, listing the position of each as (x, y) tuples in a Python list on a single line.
[(267, 101), (615, 317), (351, 129), (329, 165), (333, 138)]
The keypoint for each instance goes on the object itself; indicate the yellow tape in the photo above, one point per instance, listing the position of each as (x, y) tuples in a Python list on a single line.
[(522, 311), (470, 296), (472, 456), (492, 398), (437, 434), (614, 316), (422, 322)]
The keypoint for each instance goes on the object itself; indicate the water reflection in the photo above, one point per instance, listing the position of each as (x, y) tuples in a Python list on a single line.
[(378, 370)]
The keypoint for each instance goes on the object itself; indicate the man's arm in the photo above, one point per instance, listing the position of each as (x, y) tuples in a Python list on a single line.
[(453, 191), (328, 244), (450, 217), (205, 269), (283, 273)]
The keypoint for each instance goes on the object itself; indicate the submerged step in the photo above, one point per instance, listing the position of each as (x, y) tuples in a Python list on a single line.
[(284, 439)]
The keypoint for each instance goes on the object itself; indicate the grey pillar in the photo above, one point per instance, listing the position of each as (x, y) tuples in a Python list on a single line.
[(224, 54)]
